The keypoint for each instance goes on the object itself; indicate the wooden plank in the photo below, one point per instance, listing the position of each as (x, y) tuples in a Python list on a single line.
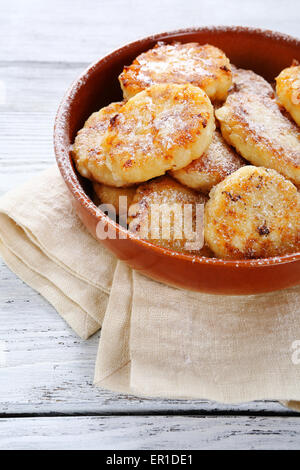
[(75, 31), (26, 146), (150, 432), (32, 95), (36, 86), (46, 368)]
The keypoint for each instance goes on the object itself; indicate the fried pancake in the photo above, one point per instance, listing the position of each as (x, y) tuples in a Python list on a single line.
[(110, 195), (162, 128), (170, 197), (204, 66), (87, 151), (288, 91), (219, 161), (253, 213), (251, 121)]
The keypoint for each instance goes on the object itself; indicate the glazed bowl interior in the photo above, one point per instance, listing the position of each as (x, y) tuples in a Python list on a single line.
[(265, 52)]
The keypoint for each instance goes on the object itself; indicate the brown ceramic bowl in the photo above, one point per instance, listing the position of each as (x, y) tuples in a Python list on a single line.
[(266, 53)]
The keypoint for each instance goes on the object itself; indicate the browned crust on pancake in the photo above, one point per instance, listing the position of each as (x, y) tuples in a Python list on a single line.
[(219, 161)]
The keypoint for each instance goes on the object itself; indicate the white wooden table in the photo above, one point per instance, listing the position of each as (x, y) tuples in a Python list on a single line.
[(47, 400)]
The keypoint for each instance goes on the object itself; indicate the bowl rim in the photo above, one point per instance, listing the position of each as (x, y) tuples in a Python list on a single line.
[(69, 175)]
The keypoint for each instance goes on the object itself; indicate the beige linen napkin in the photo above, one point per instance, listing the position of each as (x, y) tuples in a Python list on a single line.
[(46, 245), (155, 340), (161, 341)]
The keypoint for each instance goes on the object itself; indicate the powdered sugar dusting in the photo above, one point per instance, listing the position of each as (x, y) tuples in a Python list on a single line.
[(62, 147)]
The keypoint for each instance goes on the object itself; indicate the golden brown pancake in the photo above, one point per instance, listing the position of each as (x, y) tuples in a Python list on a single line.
[(88, 153), (288, 91), (162, 128), (111, 195)]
